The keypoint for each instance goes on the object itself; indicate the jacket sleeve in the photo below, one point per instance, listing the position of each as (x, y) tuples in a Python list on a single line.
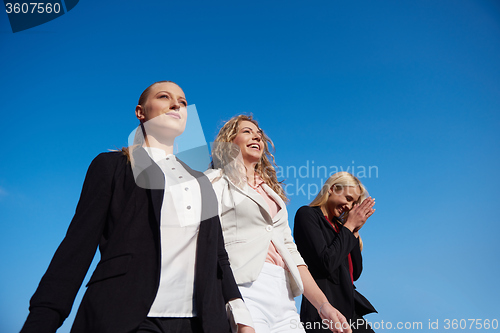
[(357, 262), (229, 287), (292, 248), (54, 297), (312, 243), (236, 310)]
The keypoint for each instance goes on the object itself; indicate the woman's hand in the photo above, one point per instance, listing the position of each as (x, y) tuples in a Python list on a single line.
[(245, 329), (359, 214), (334, 319)]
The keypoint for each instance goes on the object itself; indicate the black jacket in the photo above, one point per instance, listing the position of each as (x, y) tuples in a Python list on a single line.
[(123, 220), (326, 255)]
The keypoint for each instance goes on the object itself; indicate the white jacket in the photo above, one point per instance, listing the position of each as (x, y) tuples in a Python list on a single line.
[(248, 230)]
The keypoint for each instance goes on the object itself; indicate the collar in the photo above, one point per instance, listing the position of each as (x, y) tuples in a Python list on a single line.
[(258, 181), (157, 154)]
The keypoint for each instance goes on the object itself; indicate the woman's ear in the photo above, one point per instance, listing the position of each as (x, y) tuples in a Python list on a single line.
[(139, 113), (330, 190)]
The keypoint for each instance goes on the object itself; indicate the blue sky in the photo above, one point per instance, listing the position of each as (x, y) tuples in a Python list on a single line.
[(409, 88)]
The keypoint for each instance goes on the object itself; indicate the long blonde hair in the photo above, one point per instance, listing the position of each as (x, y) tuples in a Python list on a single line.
[(223, 154), (339, 180)]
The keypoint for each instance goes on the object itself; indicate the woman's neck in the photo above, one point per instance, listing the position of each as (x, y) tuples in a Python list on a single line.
[(250, 173), (167, 146), (325, 212)]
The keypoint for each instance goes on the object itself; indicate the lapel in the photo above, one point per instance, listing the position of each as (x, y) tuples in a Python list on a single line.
[(209, 203), (326, 223), (148, 175), (278, 200), (258, 199)]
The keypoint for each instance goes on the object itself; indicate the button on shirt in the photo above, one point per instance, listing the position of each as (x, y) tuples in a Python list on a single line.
[(179, 225)]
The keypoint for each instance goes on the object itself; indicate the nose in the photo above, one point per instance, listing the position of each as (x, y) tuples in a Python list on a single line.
[(175, 105), (257, 137)]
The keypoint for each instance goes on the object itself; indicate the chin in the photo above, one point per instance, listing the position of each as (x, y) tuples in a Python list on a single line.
[(251, 159), (253, 156)]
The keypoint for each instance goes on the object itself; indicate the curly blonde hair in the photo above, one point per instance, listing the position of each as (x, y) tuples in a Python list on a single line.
[(225, 154)]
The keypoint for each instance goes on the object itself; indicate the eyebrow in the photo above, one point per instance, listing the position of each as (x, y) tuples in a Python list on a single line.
[(164, 91), (246, 127)]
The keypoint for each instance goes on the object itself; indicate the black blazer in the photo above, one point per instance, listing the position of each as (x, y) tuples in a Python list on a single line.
[(123, 220), (326, 255)]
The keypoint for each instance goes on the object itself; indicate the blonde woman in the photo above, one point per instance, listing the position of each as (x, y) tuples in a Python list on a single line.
[(266, 264), (163, 266), (327, 236)]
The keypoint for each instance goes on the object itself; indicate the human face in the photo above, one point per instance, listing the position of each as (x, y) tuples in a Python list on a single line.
[(341, 199), (164, 113), (249, 140)]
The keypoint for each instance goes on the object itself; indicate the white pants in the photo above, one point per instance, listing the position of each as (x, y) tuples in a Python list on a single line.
[(270, 302)]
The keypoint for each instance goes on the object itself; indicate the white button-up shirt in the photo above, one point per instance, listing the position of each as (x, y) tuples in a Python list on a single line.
[(180, 220)]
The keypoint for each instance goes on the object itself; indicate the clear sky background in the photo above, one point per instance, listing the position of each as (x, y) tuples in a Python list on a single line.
[(409, 88)]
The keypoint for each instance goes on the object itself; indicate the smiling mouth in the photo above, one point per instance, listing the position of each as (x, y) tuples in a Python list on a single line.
[(254, 146)]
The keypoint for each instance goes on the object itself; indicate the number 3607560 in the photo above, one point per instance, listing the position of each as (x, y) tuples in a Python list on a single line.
[(32, 8)]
